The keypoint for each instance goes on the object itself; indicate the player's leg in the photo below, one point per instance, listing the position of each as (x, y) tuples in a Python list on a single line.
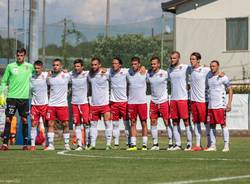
[(42, 124), (62, 114), (221, 117), (51, 117), (164, 111), (225, 133), (197, 125), (94, 117), (153, 122), (142, 112), (108, 126), (34, 123), (207, 126), (77, 123), (23, 110), (132, 112), (115, 116), (170, 133), (86, 125), (124, 114), (9, 113), (212, 123), (175, 118), (183, 112)]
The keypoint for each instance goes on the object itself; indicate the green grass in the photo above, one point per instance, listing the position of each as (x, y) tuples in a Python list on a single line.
[(17, 166)]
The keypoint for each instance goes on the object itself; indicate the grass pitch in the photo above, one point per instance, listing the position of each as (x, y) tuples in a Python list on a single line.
[(121, 166)]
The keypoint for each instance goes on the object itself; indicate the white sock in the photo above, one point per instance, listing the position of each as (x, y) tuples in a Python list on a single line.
[(66, 138), (79, 135), (93, 133), (108, 132), (170, 134), (144, 140), (33, 136), (208, 134), (154, 133), (51, 138), (133, 141), (197, 131), (116, 131), (213, 136), (127, 131), (87, 134), (177, 136), (225, 133), (189, 135)]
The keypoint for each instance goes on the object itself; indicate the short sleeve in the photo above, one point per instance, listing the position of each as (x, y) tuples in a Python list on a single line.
[(226, 81)]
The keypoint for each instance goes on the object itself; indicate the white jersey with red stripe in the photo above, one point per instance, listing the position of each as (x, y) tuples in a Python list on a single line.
[(198, 84), (158, 83), (39, 89), (100, 88), (137, 87), (179, 77), (79, 87), (58, 89), (217, 91), (118, 85)]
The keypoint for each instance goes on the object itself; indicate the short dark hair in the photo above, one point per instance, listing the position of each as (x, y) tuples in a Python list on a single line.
[(21, 50), (118, 59), (136, 59), (155, 58), (96, 58), (80, 61), (175, 52), (38, 63), (215, 61), (57, 59), (197, 55)]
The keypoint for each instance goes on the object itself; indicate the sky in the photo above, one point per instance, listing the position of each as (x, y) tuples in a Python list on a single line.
[(87, 11)]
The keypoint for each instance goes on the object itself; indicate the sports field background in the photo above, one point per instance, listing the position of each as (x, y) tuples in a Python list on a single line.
[(121, 166)]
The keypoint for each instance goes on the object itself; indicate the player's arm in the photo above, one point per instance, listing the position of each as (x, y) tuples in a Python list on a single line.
[(143, 70), (188, 73), (4, 82), (5, 78), (230, 98)]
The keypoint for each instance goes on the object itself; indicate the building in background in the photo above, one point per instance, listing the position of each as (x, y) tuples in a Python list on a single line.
[(218, 29)]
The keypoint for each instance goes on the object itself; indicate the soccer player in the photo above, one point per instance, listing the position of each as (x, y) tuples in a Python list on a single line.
[(17, 76), (137, 102), (39, 102), (199, 98), (118, 100), (80, 105), (217, 105), (159, 106), (58, 103), (179, 76), (99, 103)]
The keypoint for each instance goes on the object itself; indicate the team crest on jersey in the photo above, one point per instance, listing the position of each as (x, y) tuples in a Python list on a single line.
[(26, 67), (15, 70), (161, 75)]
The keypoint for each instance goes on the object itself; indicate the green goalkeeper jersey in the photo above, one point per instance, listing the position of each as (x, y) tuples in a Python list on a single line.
[(17, 77)]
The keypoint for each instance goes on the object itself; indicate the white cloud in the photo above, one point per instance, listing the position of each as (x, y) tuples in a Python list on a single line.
[(94, 11)]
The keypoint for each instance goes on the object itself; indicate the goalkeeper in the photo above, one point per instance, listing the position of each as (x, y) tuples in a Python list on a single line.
[(16, 79)]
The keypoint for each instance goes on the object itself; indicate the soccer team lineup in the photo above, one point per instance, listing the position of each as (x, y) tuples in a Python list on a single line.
[(192, 94)]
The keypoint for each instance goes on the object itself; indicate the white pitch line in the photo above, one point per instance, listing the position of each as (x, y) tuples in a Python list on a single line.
[(209, 180), (66, 153)]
